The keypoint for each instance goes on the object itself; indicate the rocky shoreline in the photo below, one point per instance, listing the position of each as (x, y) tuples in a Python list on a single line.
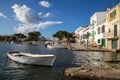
[(96, 73), (83, 73)]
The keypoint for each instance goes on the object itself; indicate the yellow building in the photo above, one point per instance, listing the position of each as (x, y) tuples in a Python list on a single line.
[(113, 27)]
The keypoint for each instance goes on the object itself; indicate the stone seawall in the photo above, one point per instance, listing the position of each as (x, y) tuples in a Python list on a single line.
[(103, 64), (93, 73)]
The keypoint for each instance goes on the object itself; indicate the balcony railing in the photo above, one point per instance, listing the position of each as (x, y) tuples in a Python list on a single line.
[(112, 35), (104, 34)]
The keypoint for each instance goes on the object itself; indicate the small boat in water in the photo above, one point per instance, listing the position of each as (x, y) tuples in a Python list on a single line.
[(55, 45), (50, 46), (34, 59)]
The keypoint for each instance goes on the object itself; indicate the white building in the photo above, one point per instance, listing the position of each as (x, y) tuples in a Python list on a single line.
[(78, 33), (86, 35), (98, 18), (101, 33), (81, 35)]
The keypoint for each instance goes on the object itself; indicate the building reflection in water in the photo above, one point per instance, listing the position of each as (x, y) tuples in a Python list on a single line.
[(96, 59)]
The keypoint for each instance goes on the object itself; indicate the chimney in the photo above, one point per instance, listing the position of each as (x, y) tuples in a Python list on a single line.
[(108, 9)]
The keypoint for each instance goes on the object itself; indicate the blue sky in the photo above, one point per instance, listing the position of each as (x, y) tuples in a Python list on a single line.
[(48, 16)]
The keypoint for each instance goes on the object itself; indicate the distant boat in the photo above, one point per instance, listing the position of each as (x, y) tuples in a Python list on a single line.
[(34, 59), (50, 46), (55, 45)]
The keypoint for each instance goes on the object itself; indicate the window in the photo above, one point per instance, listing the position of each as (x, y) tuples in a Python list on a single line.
[(112, 14), (115, 30), (109, 30), (93, 33), (98, 40), (99, 30), (103, 28), (93, 22)]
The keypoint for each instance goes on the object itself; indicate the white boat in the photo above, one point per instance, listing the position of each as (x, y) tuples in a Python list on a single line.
[(55, 46), (34, 59), (50, 46)]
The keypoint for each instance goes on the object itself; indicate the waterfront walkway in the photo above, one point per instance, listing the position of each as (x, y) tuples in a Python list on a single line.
[(77, 47)]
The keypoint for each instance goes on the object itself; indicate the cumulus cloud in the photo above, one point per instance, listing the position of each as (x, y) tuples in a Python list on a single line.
[(47, 15), (25, 28), (45, 4), (29, 21), (40, 13), (25, 14), (2, 15), (48, 23)]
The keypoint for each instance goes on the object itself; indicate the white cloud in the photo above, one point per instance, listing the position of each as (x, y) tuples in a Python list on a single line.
[(47, 15), (2, 15), (40, 13), (25, 14), (29, 21), (25, 28), (48, 23), (45, 4)]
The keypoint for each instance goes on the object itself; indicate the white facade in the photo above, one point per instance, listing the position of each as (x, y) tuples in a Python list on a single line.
[(78, 33), (101, 33), (95, 20), (95, 33), (85, 35), (81, 33)]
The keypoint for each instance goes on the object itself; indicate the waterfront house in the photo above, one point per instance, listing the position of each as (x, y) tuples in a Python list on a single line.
[(82, 35), (97, 21), (85, 35), (113, 25), (101, 34), (78, 33)]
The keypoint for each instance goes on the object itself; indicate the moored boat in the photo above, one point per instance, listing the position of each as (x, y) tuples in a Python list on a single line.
[(55, 45), (34, 59), (50, 46)]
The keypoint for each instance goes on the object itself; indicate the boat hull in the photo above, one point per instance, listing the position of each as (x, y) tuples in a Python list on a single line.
[(50, 47), (44, 60)]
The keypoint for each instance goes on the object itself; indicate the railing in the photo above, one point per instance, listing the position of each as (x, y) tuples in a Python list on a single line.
[(111, 34), (104, 34)]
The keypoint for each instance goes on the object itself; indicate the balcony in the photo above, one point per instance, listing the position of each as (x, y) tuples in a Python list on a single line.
[(104, 34), (112, 35)]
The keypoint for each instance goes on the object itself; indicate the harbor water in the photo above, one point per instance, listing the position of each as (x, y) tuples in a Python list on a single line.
[(10, 70)]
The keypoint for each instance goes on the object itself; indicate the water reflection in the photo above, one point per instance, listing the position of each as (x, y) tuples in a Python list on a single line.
[(10, 70), (97, 59), (24, 72)]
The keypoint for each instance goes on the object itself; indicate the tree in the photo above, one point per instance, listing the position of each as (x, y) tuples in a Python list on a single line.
[(6, 38), (64, 34), (60, 34), (20, 35), (1, 38), (33, 36), (70, 35)]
